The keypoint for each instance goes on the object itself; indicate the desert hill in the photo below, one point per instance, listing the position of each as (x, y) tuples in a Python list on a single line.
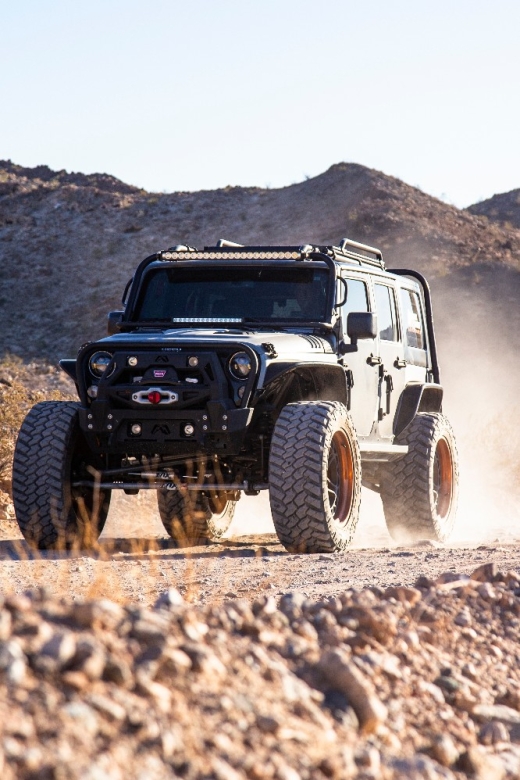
[(504, 208), (69, 242)]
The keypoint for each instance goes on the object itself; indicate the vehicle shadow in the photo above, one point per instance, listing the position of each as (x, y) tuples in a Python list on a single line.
[(158, 548)]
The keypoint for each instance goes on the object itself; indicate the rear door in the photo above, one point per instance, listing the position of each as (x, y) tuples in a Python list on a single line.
[(392, 378), (362, 371)]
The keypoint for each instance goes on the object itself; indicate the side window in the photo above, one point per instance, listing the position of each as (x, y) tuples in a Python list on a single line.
[(386, 313), (413, 319), (357, 299)]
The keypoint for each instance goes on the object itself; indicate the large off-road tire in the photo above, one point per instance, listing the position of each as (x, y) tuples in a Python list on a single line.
[(50, 454), (420, 491), (315, 477), (192, 519)]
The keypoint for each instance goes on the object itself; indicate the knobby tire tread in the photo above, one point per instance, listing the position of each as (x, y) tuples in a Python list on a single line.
[(297, 477), (41, 486)]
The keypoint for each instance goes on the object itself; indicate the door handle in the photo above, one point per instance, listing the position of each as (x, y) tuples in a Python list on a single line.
[(373, 360), (398, 363)]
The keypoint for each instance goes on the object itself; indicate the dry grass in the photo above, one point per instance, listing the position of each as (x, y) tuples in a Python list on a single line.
[(19, 391)]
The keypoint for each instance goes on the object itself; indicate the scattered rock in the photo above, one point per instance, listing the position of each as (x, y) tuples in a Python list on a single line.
[(496, 712), (482, 765), (444, 751), (346, 678), (485, 573), (493, 732)]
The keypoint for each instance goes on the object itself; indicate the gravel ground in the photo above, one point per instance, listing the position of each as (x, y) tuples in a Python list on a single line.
[(135, 561)]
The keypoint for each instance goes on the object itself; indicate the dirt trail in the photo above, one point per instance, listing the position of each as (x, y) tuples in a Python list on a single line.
[(136, 561)]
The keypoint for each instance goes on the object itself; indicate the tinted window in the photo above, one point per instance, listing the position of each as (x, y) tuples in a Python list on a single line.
[(413, 321), (386, 319)]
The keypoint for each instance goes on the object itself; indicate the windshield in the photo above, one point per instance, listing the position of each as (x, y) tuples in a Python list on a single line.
[(234, 294)]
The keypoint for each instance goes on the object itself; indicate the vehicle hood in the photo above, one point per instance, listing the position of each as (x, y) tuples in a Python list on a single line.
[(283, 343)]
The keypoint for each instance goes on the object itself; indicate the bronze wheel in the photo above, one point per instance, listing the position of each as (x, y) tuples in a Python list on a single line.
[(443, 478), (340, 477)]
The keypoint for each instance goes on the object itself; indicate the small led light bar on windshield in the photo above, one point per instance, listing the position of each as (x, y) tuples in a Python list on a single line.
[(207, 319)]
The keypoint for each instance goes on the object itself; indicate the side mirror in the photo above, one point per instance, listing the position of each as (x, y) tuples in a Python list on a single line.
[(360, 325), (114, 320)]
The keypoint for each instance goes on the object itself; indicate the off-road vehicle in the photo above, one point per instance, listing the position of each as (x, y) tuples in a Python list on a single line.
[(303, 370)]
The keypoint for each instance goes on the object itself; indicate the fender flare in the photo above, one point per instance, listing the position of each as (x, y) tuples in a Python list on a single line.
[(417, 398), (329, 381)]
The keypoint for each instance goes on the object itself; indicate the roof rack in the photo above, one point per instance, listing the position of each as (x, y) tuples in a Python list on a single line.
[(223, 242), (362, 252)]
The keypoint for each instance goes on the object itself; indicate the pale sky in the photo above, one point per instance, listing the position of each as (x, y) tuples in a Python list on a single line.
[(185, 95)]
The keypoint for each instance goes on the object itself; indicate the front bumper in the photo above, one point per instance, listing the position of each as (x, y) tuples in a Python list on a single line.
[(215, 429), (200, 406)]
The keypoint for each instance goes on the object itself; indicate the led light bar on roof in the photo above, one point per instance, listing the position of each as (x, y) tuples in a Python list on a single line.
[(230, 255)]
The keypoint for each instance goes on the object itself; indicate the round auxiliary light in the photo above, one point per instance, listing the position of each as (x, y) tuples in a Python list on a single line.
[(99, 363), (154, 397), (92, 391), (240, 365), (132, 361), (136, 429), (189, 430), (241, 391), (193, 361)]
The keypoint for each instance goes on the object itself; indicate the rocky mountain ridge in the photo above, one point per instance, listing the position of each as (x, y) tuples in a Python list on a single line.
[(503, 208)]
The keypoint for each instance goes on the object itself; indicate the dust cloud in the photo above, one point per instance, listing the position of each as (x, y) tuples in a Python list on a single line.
[(481, 375)]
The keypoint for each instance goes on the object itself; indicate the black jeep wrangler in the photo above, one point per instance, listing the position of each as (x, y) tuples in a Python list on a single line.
[(303, 370)]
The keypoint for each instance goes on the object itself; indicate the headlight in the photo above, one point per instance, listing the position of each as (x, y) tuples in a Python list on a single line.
[(240, 365), (99, 362)]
